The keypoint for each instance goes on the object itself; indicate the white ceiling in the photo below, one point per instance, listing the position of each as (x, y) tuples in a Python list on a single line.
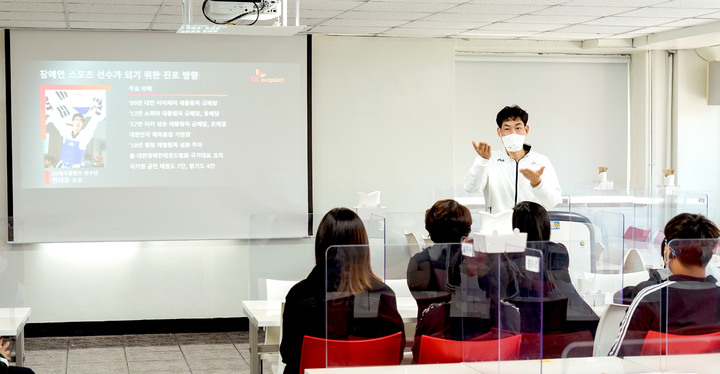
[(609, 21)]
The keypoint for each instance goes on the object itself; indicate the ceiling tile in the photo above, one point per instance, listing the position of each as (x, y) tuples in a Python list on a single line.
[(582, 11), (364, 22), (347, 30), (32, 16), (468, 17), (402, 31), (497, 9), (495, 34), (17, 6), (393, 6), (665, 12), (443, 25), (621, 3), (326, 4), (521, 27), (359, 14), (689, 22), (557, 20), (597, 29), (629, 21), (707, 4), (519, 2), (112, 9)]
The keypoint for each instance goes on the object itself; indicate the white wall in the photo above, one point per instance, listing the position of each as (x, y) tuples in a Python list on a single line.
[(697, 126), (383, 114)]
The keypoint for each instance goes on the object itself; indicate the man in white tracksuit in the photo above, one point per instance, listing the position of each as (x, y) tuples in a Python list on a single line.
[(515, 173)]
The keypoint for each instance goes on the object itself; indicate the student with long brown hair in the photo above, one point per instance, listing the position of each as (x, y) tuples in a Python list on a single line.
[(341, 298)]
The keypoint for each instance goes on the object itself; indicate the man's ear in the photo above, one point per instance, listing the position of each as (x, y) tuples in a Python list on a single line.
[(527, 129), (498, 130)]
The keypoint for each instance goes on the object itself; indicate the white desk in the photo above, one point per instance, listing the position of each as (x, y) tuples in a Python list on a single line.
[(266, 313), (706, 363), (12, 323), (584, 365)]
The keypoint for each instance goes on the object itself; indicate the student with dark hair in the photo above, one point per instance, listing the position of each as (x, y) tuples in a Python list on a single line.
[(474, 311), (688, 303), (341, 298), (704, 228), (533, 219), (447, 222), (515, 173)]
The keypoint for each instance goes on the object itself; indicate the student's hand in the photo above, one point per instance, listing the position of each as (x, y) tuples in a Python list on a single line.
[(533, 176), (4, 348), (482, 149)]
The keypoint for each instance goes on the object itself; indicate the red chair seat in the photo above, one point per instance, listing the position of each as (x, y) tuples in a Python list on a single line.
[(437, 350), (321, 353), (658, 343)]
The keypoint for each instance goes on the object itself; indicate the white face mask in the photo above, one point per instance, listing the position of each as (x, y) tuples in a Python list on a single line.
[(513, 142)]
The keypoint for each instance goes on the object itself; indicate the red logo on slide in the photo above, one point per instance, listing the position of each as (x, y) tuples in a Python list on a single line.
[(258, 75)]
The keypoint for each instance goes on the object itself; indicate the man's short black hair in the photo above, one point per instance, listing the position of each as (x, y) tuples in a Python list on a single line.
[(511, 112)]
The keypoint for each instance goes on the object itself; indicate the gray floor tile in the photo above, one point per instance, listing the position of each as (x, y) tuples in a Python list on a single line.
[(156, 353), (46, 343), (97, 367), (175, 366), (204, 338), (150, 340), (109, 355), (48, 369), (96, 341), (52, 357)]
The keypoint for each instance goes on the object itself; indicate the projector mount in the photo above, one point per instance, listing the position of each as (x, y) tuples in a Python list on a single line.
[(228, 12)]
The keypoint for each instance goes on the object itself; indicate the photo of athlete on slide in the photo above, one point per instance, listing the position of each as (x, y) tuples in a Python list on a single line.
[(76, 115)]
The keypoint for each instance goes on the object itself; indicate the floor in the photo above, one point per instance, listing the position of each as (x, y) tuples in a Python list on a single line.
[(204, 353)]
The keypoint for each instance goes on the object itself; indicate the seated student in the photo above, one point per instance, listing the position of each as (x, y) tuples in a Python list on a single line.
[(688, 303), (5, 368), (657, 276), (343, 287), (533, 219), (474, 309), (448, 222)]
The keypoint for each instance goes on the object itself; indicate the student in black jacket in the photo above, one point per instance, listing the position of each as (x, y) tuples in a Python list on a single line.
[(341, 298)]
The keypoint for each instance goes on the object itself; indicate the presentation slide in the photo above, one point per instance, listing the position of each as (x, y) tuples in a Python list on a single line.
[(161, 148)]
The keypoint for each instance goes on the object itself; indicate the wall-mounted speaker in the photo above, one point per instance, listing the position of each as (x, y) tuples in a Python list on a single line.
[(713, 83)]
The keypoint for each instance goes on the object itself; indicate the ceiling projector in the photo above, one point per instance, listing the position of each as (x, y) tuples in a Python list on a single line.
[(234, 10)]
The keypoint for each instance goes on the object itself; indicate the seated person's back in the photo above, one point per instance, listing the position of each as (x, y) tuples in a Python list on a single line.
[(341, 298), (688, 303), (447, 222)]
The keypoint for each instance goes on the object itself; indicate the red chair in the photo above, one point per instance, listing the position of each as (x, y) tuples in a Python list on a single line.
[(437, 350), (321, 353), (659, 343), (554, 344)]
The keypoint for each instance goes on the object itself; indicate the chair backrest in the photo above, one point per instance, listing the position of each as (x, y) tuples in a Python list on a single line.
[(437, 350), (554, 315), (633, 262), (399, 286), (607, 329), (553, 345), (414, 243), (659, 343), (321, 353), (277, 289)]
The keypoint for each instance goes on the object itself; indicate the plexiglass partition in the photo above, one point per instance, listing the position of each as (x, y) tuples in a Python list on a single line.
[(671, 320), (270, 278)]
